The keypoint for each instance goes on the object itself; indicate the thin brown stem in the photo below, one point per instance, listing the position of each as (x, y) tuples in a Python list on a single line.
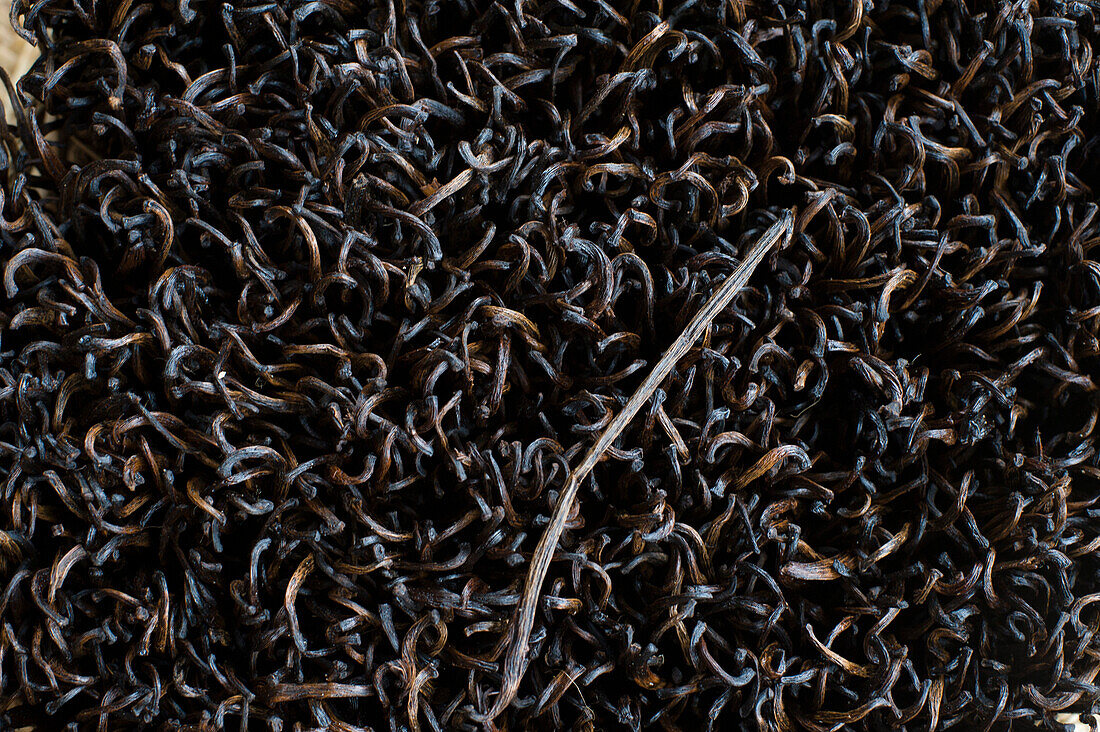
[(515, 663)]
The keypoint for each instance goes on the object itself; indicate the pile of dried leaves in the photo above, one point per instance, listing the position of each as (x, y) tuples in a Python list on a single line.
[(310, 306)]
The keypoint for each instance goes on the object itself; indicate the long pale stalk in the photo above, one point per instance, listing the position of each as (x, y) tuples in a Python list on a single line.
[(515, 663)]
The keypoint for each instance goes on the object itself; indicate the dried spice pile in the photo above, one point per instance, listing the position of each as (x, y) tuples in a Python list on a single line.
[(310, 307)]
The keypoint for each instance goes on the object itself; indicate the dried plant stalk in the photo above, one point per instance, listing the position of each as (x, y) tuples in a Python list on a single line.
[(520, 630)]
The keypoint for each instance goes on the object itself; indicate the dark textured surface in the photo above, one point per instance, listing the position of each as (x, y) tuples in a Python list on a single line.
[(309, 306)]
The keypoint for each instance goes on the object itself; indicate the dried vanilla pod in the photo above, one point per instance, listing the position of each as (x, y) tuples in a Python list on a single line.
[(311, 308)]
